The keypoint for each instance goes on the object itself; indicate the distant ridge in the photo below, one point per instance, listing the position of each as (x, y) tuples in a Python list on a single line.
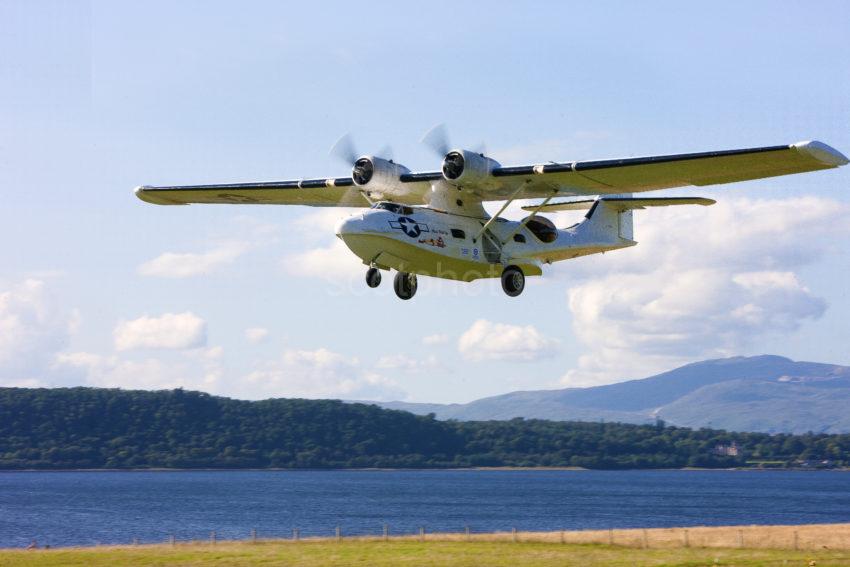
[(760, 393)]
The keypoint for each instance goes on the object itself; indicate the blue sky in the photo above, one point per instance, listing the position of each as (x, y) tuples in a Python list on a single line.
[(99, 288)]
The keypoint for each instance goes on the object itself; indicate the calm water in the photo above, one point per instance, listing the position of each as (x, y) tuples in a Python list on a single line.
[(84, 508)]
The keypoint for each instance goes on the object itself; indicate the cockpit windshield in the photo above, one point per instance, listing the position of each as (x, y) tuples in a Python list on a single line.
[(393, 208)]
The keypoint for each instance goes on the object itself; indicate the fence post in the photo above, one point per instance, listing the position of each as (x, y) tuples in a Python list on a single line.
[(254, 536), (386, 532), (796, 541), (685, 541), (645, 540), (422, 533), (740, 538), (466, 529), (212, 537), (171, 540), (513, 534), (610, 536), (338, 534), (296, 533), (563, 537)]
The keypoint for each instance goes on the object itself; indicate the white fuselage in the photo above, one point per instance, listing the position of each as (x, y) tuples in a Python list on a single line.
[(426, 241)]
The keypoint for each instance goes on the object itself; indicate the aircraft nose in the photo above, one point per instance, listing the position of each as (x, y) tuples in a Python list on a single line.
[(347, 226)]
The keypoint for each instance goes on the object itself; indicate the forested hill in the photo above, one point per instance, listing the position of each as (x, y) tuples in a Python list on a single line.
[(68, 428)]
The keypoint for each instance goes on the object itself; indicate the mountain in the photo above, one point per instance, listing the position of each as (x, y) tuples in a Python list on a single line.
[(760, 393)]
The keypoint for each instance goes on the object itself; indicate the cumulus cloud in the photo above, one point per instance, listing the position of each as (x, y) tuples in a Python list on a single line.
[(325, 256), (320, 373), (187, 264), (32, 330), (333, 262), (406, 363), (256, 334), (437, 339), (169, 331), (196, 370), (701, 283), (485, 340)]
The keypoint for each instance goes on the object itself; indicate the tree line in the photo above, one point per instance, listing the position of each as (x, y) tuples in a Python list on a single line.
[(94, 428)]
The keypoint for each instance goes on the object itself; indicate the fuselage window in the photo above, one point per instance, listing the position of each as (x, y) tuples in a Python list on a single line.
[(458, 233), (519, 238), (543, 229)]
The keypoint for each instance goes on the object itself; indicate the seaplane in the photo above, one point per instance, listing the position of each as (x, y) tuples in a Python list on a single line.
[(433, 223)]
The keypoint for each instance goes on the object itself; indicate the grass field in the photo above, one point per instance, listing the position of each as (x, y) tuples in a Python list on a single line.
[(762, 545)]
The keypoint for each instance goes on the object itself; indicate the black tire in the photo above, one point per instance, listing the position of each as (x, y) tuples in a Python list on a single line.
[(404, 285), (513, 281), (373, 277)]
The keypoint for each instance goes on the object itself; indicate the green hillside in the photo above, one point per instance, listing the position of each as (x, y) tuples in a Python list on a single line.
[(72, 428)]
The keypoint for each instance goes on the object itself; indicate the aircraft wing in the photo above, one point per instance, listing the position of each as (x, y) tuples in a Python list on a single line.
[(330, 192), (633, 175), (601, 177)]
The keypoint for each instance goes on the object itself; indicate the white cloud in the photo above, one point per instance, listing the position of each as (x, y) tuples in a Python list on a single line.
[(437, 339), (195, 370), (701, 283), (256, 334), (334, 262), (32, 330), (185, 265), (324, 255), (406, 363), (485, 340), (169, 331), (320, 373)]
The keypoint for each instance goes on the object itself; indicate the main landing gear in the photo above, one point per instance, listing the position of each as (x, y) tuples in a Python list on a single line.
[(513, 281), (404, 285)]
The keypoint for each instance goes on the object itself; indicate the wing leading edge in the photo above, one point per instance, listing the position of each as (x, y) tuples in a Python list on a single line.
[(578, 178), (633, 175)]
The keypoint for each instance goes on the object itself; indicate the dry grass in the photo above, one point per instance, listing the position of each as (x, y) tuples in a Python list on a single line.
[(804, 537), (762, 545)]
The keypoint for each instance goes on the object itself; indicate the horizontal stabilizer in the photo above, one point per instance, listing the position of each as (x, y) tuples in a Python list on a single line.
[(622, 203)]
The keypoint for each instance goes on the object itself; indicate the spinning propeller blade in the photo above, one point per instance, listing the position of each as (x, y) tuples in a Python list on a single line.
[(437, 138)]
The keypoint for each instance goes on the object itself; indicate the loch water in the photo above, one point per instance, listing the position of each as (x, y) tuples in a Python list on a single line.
[(89, 508)]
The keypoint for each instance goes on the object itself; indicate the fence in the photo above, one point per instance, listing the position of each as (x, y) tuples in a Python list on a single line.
[(803, 537)]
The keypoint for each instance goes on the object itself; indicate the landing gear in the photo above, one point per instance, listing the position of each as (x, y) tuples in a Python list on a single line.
[(405, 285), (373, 277), (513, 281)]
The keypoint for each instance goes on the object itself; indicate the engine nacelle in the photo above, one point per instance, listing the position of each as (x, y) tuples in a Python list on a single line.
[(378, 175), (463, 167)]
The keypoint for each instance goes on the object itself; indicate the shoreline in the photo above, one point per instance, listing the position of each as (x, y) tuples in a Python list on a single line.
[(741, 536), (454, 469)]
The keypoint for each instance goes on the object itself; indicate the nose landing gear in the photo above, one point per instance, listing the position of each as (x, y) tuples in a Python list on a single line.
[(373, 277), (405, 285), (513, 281)]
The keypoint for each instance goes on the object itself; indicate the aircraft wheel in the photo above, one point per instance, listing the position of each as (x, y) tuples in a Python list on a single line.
[(373, 277), (513, 281), (405, 285)]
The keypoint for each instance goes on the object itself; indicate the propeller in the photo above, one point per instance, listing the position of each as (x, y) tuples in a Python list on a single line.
[(346, 151), (437, 138)]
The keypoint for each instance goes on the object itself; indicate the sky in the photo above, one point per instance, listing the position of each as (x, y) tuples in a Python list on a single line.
[(100, 289)]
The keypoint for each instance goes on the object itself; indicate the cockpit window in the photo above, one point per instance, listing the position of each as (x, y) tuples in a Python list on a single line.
[(394, 208), (543, 229)]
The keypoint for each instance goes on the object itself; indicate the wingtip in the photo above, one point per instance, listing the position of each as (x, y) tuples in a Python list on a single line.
[(143, 193), (824, 153)]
